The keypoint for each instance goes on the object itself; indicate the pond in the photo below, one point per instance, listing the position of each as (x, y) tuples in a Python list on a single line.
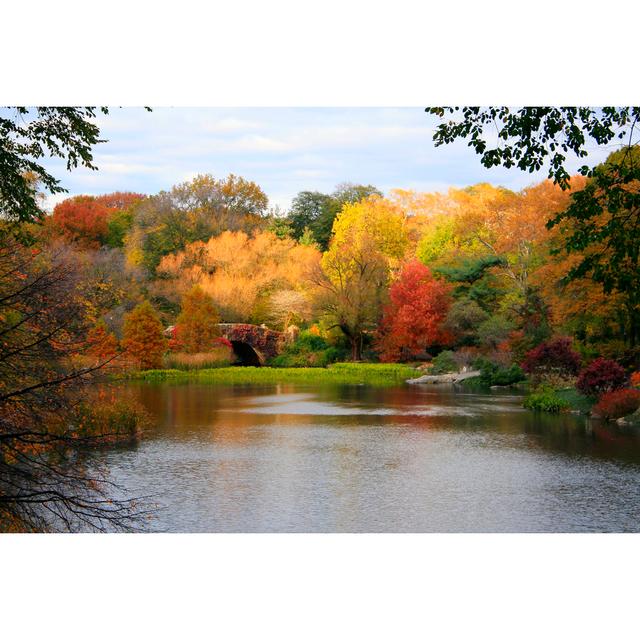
[(288, 458)]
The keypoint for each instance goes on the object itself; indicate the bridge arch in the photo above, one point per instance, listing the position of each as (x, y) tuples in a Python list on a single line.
[(253, 345), (246, 355)]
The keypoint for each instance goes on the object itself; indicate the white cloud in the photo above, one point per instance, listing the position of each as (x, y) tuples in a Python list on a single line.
[(51, 200), (230, 124), (127, 168), (285, 150)]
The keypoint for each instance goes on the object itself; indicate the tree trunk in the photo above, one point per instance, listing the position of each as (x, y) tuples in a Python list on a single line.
[(356, 348)]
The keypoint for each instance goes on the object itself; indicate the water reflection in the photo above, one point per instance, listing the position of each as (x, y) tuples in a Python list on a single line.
[(356, 458)]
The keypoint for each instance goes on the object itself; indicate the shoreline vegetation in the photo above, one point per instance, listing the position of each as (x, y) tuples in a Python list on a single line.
[(542, 398), (338, 373)]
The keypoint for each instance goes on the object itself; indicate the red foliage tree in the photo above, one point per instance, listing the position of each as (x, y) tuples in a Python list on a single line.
[(554, 356), (601, 376), (412, 321), (83, 219)]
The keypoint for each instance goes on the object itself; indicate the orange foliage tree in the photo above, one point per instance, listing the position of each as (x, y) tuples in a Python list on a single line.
[(413, 319), (143, 339), (197, 325), (82, 219), (102, 345)]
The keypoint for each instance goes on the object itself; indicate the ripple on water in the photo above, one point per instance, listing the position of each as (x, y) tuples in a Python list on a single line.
[(224, 459)]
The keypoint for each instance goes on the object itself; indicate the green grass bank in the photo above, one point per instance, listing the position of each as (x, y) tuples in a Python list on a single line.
[(339, 373)]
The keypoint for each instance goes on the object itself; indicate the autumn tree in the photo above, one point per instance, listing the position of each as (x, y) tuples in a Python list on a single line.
[(121, 207), (240, 272), (143, 339), (193, 211), (414, 318), (287, 307), (81, 219), (314, 212), (43, 328), (91, 221), (368, 240), (351, 288), (377, 217), (102, 345), (602, 226), (601, 221), (197, 325)]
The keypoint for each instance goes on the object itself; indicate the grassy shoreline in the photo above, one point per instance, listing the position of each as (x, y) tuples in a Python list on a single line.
[(339, 373)]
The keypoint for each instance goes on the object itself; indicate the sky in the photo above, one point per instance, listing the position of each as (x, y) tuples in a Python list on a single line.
[(284, 150)]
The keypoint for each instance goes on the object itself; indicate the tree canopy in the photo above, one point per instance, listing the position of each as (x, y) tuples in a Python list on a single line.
[(529, 137), (29, 134)]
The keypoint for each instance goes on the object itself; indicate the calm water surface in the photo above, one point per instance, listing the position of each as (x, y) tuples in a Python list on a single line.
[(360, 459)]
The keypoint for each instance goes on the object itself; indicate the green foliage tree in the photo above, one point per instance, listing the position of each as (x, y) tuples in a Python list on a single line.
[(279, 224), (494, 330), (29, 134), (463, 320), (118, 225), (306, 208), (317, 211), (529, 137)]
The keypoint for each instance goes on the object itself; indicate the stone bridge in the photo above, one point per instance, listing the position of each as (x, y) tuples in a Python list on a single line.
[(253, 344)]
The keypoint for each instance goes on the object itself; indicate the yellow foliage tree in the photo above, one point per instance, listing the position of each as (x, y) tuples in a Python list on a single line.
[(369, 240), (382, 221), (240, 272)]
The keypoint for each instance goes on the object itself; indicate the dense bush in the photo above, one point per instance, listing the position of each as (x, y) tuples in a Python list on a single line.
[(309, 350), (601, 376), (616, 404), (545, 400), (492, 373), (444, 362), (552, 357)]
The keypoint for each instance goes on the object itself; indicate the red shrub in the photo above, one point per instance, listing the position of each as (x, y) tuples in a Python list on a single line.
[(555, 356), (635, 379), (601, 376), (223, 341), (617, 404)]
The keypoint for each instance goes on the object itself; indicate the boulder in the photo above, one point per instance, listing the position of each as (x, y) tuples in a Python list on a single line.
[(445, 378), (632, 420)]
